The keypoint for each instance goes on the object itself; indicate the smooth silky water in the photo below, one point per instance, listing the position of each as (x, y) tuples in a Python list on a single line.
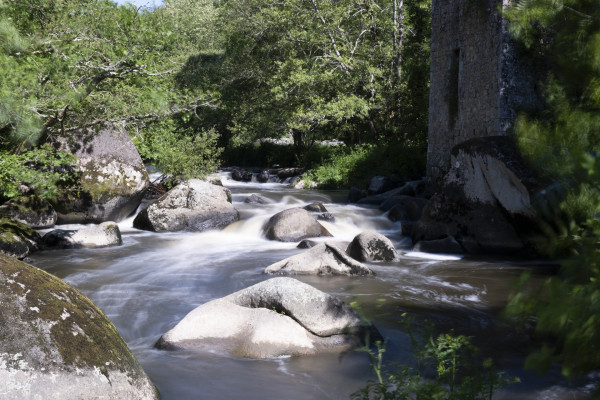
[(153, 280)]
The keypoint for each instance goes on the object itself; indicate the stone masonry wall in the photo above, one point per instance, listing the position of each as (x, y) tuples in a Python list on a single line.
[(477, 81)]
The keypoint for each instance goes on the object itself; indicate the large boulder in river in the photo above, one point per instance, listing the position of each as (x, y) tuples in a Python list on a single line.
[(112, 177), (194, 205), (322, 259), (56, 344), (30, 210), (277, 317), (17, 239), (103, 235), (371, 246), (293, 225), (484, 201)]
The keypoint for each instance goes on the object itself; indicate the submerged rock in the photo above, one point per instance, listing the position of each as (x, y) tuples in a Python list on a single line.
[(112, 177), (316, 207), (30, 210), (17, 239), (255, 199), (372, 246), (103, 235), (241, 175), (56, 344), (193, 205), (322, 259), (280, 316), (294, 225), (263, 176)]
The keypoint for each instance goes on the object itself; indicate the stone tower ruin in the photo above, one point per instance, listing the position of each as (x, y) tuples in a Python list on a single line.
[(478, 83)]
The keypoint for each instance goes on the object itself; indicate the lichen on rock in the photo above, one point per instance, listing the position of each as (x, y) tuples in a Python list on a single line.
[(56, 344)]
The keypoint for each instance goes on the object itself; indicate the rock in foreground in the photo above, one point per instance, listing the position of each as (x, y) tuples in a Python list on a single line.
[(322, 259), (280, 316), (294, 225), (193, 205), (56, 344)]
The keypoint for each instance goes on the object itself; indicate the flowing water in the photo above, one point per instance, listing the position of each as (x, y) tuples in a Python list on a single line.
[(153, 280)]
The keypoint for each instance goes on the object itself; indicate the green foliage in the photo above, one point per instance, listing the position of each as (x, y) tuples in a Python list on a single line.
[(564, 38), (255, 154), (355, 166), (43, 170), (17, 124), (68, 65), (459, 375), (323, 69), (181, 154), (567, 306), (563, 144)]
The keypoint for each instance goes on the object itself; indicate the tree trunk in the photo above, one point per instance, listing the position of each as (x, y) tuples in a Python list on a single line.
[(398, 37)]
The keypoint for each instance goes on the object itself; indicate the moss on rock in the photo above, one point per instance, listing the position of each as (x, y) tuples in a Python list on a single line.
[(17, 239), (30, 210), (53, 329)]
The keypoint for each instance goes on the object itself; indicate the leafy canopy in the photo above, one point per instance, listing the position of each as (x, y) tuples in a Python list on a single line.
[(563, 143)]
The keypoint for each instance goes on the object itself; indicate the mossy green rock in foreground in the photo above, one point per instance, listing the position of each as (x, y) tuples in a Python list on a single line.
[(17, 239), (56, 344)]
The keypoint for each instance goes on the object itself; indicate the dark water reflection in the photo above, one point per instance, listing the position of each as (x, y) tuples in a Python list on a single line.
[(153, 280)]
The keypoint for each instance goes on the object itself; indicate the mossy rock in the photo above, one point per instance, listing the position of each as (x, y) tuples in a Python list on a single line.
[(56, 344), (30, 210), (112, 177), (17, 239)]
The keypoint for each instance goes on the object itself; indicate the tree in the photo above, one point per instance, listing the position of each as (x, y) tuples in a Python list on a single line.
[(68, 65), (562, 143), (319, 69)]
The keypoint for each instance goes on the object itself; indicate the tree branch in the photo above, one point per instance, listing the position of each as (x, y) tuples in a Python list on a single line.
[(331, 38)]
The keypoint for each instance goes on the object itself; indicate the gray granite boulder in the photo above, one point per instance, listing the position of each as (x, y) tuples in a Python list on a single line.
[(56, 344), (30, 210), (293, 225), (371, 246), (315, 207), (103, 235), (193, 205), (322, 259), (380, 184), (112, 177), (404, 208), (280, 316), (484, 201), (17, 239)]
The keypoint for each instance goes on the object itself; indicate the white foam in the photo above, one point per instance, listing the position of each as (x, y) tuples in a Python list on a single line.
[(430, 256)]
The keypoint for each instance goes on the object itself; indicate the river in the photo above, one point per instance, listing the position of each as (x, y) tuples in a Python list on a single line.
[(153, 280)]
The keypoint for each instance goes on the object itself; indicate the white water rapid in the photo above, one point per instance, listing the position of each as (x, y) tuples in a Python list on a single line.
[(153, 280)]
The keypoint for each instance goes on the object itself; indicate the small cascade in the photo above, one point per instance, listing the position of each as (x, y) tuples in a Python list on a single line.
[(153, 280)]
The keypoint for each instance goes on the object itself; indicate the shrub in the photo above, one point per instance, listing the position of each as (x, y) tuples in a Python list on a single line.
[(43, 170)]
